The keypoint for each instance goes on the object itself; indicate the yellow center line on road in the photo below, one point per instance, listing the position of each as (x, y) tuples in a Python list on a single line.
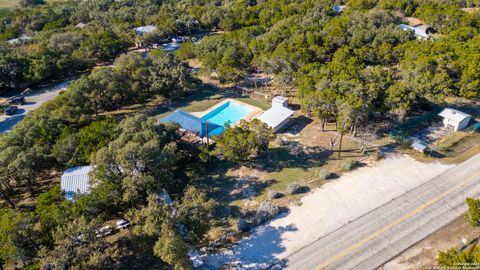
[(417, 210)]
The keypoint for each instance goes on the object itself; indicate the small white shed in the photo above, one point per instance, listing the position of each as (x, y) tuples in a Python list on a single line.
[(21, 39), (278, 116), (419, 32), (419, 146), (75, 181), (455, 119)]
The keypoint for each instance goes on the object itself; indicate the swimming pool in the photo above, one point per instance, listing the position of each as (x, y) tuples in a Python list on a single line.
[(227, 113)]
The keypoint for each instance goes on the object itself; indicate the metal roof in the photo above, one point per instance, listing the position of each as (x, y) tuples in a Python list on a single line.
[(454, 115), (189, 122), (280, 99), (420, 146), (417, 31), (19, 39), (274, 116), (166, 198), (338, 8), (76, 180), (145, 29)]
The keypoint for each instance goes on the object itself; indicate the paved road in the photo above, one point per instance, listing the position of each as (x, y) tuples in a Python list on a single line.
[(376, 237), (34, 100)]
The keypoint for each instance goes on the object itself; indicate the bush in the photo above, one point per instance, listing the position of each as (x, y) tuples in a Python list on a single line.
[(242, 225), (293, 188), (273, 194), (349, 164), (223, 211), (279, 141), (267, 211), (473, 214), (324, 174)]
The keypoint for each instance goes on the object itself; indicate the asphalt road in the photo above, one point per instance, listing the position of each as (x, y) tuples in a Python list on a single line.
[(378, 236), (34, 99)]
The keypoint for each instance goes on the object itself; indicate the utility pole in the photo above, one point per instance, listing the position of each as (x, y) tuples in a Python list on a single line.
[(206, 130)]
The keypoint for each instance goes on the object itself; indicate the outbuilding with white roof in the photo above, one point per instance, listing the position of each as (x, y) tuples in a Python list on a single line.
[(418, 31), (21, 39), (278, 116), (76, 181), (145, 29), (455, 119)]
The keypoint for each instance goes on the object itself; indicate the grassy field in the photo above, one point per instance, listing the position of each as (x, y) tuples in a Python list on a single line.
[(9, 3), (6, 4)]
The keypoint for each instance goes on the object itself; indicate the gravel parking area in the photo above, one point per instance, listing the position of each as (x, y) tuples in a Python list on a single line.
[(326, 209)]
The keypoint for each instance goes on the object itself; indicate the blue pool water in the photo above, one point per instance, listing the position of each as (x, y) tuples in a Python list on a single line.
[(229, 113)]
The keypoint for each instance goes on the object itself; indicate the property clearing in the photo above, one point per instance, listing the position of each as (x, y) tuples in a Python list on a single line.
[(326, 209)]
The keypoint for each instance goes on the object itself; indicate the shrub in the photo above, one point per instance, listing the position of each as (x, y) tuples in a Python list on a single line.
[(324, 174), (295, 149), (242, 225), (267, 211), (223, 210), (349, 164), (273, 194), (293, 188), (473, 214), (279, 141)]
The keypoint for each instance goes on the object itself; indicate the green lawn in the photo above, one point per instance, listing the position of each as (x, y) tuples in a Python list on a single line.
[(206, 97)]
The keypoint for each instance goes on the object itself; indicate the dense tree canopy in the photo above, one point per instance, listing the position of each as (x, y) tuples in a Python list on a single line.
[(347, 67)]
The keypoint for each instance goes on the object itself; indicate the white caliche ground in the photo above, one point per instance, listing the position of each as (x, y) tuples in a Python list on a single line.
[(326, 209)]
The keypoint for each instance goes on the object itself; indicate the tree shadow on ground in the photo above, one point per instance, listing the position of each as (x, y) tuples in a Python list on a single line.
[(298, 124), (226, 188), (291, 155)]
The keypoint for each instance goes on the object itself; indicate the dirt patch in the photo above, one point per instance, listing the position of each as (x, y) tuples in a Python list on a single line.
[(328, 208), (471, 10), (423, 255)]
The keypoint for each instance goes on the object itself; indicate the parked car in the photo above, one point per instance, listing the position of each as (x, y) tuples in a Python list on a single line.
[(10, 110), (122, 224), (104, 231), (17, 100)]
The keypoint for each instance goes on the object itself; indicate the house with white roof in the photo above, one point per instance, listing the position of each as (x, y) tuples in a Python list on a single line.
[(339, 8), (279, 115), (23, 38), (455, 119), (145, 29), (419, 31), (75, 181)]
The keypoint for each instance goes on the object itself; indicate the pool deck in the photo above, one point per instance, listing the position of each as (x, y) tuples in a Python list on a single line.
[(254, 114)]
